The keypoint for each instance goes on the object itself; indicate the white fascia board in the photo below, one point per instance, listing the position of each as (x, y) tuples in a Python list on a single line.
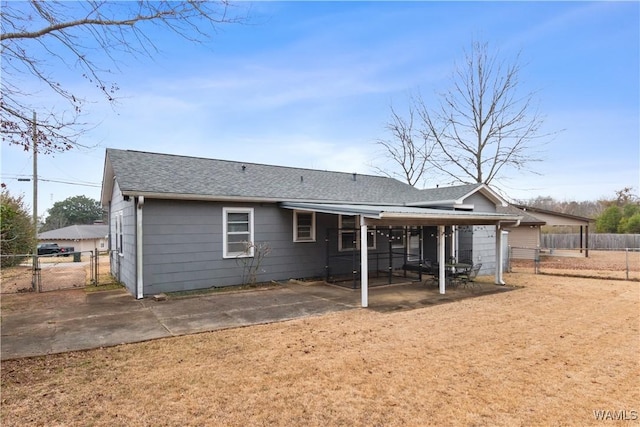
[(451, 215), (107, 183), (491, 194)]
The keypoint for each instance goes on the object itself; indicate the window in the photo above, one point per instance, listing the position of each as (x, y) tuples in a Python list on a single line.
[(119, 238), (304, 226), (347, 239), (349, 234), (238, 232)]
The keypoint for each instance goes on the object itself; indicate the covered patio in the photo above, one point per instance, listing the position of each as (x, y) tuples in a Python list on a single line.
[(406, 295), (379, 216)]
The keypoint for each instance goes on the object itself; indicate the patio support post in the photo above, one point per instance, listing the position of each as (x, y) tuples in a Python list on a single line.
[(364, 264), (441, 258), (454, 243), (139, 246), (499, 257)]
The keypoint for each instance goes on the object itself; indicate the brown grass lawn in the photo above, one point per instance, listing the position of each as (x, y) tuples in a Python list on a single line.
[(549, 353)]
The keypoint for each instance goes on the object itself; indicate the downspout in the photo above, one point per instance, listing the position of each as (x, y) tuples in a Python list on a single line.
[(139, 267), (499, 258)]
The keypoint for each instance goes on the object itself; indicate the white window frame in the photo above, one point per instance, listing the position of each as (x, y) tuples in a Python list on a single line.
[(225, 233), (119, 234), (296, 229), (371, 231)]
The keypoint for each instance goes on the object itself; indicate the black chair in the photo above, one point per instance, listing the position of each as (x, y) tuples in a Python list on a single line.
[(467, 278)]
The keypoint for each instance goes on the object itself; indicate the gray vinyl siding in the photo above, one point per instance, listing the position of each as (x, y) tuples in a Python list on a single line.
[(123, 267), (480, 240), (484, 247), (480, 203), (183, 246)]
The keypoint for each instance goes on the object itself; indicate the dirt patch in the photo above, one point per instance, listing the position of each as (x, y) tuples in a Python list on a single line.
[(599, 264), (55, 273), (550, 353)]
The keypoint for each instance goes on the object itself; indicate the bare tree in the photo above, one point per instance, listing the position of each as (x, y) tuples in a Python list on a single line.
[(407, 148), (39, 38), (483, 125)]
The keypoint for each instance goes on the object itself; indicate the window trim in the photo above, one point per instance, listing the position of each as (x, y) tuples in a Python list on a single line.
[(371, 231), (296, 237), (225, 233)]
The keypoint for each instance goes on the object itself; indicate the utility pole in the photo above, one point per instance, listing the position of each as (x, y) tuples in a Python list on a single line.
[(35, 282)]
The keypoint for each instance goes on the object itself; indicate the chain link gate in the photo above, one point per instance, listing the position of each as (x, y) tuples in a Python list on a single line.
[(43, 273)]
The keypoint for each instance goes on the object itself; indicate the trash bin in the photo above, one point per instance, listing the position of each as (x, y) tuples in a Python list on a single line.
[(76, 256)]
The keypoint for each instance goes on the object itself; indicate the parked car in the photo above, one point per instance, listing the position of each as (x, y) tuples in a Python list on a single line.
[(54, 248)]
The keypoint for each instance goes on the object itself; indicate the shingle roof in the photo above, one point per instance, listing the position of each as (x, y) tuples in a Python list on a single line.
[(448, 193), (164, 174), (172, 176), (526, 218), (76, 232)]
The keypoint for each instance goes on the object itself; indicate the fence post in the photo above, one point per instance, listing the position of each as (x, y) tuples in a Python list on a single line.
[(627, 261), (536, 261), (36, 279)]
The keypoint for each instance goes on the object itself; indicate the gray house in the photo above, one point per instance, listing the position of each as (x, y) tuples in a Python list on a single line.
[(182, 223)]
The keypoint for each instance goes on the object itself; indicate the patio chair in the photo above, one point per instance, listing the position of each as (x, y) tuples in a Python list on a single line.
[(468, 277), (425, 268)]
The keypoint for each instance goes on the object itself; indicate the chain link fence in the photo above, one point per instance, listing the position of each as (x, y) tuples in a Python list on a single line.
[(53, 272), (617, 264)]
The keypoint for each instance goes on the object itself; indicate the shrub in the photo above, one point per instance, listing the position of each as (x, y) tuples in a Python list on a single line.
[(17, 230)]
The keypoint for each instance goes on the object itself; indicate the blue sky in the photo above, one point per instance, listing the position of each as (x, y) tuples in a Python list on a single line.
[(311, 85)]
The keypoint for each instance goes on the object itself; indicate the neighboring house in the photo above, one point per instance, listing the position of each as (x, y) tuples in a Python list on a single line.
[(524, 240), (83, 238), (181, 223), (552, 219)]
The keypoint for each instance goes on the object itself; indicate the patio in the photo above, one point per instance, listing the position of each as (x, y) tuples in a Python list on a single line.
[(403, 293)]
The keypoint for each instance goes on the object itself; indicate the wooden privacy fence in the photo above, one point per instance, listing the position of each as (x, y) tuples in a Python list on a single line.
[(596, 241)]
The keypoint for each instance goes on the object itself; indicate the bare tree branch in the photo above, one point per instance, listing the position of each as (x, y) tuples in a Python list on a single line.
[(482, 125), (40, 38), (406, 148)]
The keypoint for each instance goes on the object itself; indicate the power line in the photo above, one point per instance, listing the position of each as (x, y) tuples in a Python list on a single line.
[(25, 178)]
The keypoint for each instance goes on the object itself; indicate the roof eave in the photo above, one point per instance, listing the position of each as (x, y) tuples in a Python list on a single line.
[(476, 219), (108, 178)]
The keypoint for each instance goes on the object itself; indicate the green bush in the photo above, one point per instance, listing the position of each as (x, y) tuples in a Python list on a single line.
[(609, 220), (17, 229)]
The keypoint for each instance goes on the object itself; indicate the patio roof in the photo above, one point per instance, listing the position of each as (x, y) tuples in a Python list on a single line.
[(406, 215)]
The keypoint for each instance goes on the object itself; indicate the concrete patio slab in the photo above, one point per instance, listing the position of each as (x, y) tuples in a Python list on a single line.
[(61, 321)]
